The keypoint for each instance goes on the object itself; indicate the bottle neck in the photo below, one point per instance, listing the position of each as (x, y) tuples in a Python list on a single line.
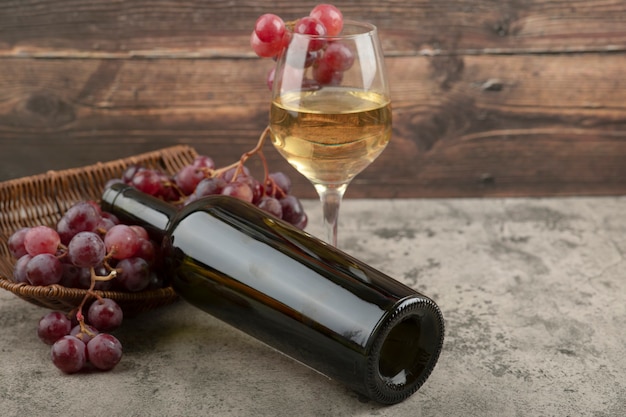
[(132, 206)]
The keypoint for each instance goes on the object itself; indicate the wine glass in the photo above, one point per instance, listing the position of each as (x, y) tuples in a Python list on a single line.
[(330, 115)]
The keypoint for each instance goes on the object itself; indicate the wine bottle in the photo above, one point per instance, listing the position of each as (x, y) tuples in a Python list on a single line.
[(293, 292)]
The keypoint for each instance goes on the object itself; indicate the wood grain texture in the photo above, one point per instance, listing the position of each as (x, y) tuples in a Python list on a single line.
[(490, 98), (211, 28)]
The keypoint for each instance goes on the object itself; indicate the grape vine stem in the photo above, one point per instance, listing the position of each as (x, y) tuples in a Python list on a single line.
[(239, 165), (91, 293)]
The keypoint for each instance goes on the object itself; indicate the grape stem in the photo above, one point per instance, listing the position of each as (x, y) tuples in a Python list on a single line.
[(277, 192), (105, 262), (239, 165), (91, 293), (61, 251), (258, 149)]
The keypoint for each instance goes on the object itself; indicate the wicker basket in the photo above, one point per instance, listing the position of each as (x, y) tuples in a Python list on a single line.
[(43, 198)]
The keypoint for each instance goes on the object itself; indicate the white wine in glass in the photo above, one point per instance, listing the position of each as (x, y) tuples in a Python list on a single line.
[(331, 123)]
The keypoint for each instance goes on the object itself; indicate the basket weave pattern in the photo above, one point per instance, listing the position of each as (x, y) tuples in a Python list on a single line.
[(42, 199)]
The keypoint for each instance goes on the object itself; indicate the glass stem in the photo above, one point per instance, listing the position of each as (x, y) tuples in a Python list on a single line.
[(331, 196)]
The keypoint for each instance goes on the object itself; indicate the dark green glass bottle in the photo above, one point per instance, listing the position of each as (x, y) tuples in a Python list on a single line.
[(292, 291)]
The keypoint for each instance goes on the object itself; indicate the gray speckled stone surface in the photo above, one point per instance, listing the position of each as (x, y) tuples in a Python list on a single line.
[(533, 292)]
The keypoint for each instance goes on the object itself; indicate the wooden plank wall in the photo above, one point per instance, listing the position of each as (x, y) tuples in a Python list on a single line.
[(490, 97)]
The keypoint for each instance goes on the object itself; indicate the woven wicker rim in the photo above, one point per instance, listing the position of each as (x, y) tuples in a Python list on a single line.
[(43, 198), (72, 294)]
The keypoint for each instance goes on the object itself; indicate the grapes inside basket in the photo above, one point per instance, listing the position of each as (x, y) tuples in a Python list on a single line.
[(59, 250), (44, 199)]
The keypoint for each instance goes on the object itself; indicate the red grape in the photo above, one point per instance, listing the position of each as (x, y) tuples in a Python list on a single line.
[(209, 186), (19, 271), (240, 190), (41, 239), (188, 178), (82, 217), (86, 249), (147, 251), (95, 206), (105, 314), (134, 274), (53, 326), (293, 211), (266, 49), (110, 216), (338, 56), (303, 222), (140, 230), (203, 161), (269, 28), (105, 224), (281, 180), (65, 232), (121, 242), (330, 16), (16, 243), (44, 269), (312, 27), (69, 354), (148, 181), (272, 206), (104, 351), (326, 75), (255, 186)]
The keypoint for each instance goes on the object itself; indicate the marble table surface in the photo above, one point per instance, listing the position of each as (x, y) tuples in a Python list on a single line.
[(533, 292)]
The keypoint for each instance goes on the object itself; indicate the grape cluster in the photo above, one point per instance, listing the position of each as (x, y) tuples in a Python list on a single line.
[(75, 347), (329, 58), (87, 250), (201, 178)]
